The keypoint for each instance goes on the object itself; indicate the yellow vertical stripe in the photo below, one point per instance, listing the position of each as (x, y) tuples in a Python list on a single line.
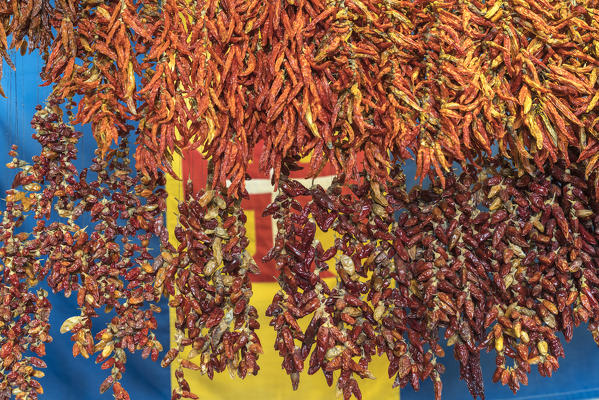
[(174, 188)]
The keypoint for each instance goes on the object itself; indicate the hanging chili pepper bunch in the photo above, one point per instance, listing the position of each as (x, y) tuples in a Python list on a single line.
[(24, 21), (519, 74), (94, 56), (110, 275), (209, 285), (25, 309), (346, 319), (103, 273), (120, 57), (508, 279)]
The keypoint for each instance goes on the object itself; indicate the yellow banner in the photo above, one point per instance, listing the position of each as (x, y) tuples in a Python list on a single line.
[(272, 382)]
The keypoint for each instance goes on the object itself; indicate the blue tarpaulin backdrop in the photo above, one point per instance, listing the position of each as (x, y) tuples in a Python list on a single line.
[(78, 379)]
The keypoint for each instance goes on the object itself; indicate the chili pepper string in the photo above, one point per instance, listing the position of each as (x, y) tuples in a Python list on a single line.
[(354, 79), (208, 281), (507, 279), (71, 260)]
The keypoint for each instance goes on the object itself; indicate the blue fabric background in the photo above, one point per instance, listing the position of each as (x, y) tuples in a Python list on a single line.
[(79, 379)]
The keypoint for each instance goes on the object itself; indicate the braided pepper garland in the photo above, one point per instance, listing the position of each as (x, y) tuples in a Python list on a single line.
[(209, 285), (501, 256), (441, 81)]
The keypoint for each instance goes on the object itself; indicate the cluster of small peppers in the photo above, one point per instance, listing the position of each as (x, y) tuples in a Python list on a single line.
[(209, 285), (24, 327), (508, 264), (24, 309), (498, 259), (351, 321), (102, 273), (109, 275), (519, 74), (494, 259)]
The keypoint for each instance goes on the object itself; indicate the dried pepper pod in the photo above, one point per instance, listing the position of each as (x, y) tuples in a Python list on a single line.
[(208, 281)]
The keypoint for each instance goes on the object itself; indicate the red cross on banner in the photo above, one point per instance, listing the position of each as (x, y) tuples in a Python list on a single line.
[(261, 230)]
